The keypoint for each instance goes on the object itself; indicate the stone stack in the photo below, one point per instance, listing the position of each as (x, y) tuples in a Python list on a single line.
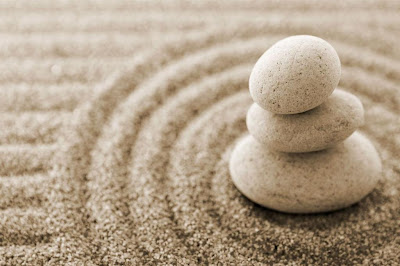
[(303, 154)]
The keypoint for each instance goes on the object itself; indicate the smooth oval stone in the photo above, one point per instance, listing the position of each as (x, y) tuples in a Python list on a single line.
[(306, 182), (295, 75), (317, 129)]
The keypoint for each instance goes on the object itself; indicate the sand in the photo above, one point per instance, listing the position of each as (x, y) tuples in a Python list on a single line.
[(118, 120)]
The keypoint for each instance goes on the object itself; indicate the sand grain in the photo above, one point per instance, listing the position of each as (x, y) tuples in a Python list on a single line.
[(124, 127)]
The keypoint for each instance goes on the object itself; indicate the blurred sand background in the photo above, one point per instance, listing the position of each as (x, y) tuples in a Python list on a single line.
[(117, 121)]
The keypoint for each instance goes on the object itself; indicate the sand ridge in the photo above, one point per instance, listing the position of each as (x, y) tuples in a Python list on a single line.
[(119, 153)]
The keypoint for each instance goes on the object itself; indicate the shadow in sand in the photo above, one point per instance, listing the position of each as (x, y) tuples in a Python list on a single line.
[(320, 221)]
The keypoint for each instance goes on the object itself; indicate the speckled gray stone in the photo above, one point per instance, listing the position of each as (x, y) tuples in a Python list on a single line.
[(317, 129), (311, 182), (296, 74)]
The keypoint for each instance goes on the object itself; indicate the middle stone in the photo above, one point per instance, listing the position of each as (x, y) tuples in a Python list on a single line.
[(329, 123)]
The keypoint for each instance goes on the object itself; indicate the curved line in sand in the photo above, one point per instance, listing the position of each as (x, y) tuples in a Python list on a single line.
[(193, 154), (172, 109), (67, 164), (189, 103), (203, 126), (185, 162), (244, 33), (107, 110), (17, 69), (106, 94), (128, 141)]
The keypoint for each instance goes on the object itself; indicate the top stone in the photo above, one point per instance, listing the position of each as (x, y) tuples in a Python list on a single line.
[(295, 75)]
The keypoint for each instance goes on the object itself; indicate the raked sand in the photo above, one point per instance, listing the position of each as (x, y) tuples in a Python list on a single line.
[(118, 120)]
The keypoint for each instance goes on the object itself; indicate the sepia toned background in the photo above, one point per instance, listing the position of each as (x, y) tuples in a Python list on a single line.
[(117, 120)]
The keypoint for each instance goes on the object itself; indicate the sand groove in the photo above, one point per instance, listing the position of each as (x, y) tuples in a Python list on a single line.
[(25, 227), (113, 170), (115, 167), (146, 169), (23, 189), (134, 169), (32, 127), (20, 97), (25, 159), (119, 210)]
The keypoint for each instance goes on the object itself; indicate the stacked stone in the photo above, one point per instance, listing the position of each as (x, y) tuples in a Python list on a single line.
[(303, 154)]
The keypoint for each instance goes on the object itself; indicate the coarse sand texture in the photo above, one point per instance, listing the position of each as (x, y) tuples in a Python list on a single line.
[(119, 119)]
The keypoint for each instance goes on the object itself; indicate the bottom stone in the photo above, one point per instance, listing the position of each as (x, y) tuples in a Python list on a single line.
[(311, 182)]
